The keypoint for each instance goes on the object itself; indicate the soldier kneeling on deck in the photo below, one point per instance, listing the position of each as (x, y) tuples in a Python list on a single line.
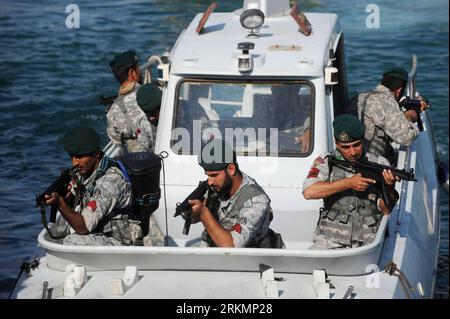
[(352, 207), (101, 190), (242, 213)]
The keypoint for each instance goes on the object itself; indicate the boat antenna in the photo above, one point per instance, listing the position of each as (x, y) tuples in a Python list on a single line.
[(163, 155)]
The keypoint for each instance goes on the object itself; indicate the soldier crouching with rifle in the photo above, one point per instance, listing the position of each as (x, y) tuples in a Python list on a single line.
[(353, 203), (242, 213), (102, 191)]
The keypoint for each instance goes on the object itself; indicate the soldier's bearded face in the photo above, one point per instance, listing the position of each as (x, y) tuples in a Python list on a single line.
[(350, 151), (221, 181), (85, 164)]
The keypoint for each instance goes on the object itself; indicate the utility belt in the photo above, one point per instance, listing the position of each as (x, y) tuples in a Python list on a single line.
[(348, 229)]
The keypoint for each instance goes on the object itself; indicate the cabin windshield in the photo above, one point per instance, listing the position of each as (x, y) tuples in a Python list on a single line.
[(259, 118)]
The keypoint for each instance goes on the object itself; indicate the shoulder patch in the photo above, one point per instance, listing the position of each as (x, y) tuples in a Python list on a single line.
[(319, 160), (237, 228), (313, 172), (92, 205)]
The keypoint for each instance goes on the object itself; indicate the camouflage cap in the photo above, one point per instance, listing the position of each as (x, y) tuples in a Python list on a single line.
[(347, 128), (398, 73), (125, 58), (148, 98), (81, 141), (216, 155)]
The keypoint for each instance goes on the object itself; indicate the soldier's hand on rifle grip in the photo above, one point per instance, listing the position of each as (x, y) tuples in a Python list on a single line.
[(197, 208), (389, 178), (411, 115), (52, 199), (359, 183), (424, 105)]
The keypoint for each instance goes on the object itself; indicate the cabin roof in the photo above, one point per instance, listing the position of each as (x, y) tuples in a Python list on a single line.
[(280, 50)]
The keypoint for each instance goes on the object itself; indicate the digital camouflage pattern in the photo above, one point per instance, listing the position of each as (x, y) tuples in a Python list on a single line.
[(349, 218), (127, 125), (384, 122), (249, 224)]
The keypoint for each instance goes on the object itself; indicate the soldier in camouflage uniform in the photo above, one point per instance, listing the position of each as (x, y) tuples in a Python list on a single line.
[(382, 117), (101, 193), (127, 125), (352, 207), (243, 213)]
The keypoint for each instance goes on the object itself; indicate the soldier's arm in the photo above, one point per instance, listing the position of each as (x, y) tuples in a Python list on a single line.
[(322, 189), (396, 124), (317, 184), (254, 217), (113, 131), (219, 235), (111, 191), (75, 220)]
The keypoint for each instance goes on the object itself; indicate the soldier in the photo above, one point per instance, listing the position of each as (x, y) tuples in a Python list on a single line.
[(127, 125), (148, 98), (382, 117), (101, 190), (352, 208), (243, 213)]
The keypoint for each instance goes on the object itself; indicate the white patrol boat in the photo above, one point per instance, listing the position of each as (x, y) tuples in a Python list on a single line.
[(261, 76)]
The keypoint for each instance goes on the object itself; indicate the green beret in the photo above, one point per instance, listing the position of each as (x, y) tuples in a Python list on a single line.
[(122, 59), (216, 155), (347, 128), (81, 141), (148, 97), (398, 73)]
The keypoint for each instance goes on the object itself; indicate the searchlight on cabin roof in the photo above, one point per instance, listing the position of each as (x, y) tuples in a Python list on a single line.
[(252, 19)]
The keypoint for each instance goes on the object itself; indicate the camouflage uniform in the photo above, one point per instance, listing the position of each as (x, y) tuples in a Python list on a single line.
[(384, 122), (127, 125), (101, 198), (247, 219), (349, 218)]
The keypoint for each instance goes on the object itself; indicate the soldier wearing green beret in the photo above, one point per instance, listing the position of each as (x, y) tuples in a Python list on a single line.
[(127, 125), (99, 192), (148, 98), (352, 208), (382, 117), (243, 213)]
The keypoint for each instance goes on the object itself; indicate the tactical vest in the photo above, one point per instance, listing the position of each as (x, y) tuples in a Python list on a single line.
[(271, 240), (349, 218), (380, 142)]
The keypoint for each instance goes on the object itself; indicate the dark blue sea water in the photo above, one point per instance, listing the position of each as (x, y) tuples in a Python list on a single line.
[(51, 77)]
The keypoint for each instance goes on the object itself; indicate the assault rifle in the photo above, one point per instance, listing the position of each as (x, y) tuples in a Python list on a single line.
[(413, 104), (185, 209), (58, 186), (375, 171)]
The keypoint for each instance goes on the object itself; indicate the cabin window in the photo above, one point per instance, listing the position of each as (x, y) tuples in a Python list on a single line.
[(259, 118)]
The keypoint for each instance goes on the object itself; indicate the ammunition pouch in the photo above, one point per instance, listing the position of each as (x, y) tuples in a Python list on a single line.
[(348, 229)]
